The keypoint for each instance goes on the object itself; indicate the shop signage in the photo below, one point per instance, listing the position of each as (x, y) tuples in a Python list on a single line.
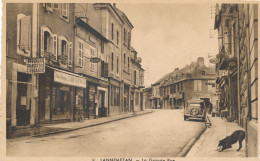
[(68, 79), (35, 65)]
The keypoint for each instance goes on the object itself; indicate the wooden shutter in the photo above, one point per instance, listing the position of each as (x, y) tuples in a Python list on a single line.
[(55, 45), (70, 54), (25, 33), (42, 42)]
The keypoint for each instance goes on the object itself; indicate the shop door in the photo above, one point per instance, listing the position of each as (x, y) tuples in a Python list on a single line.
[(23, 105)]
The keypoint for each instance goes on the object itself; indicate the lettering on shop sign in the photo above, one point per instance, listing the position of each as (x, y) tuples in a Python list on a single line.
[(35, 65), (68, 79)]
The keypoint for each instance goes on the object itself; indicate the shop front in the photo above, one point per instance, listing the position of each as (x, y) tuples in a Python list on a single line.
[(61, 95)]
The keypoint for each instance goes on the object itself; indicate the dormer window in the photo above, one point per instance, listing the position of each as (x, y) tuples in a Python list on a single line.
[(203, 72)]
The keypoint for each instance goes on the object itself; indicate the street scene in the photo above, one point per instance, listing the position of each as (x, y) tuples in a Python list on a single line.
[(131, 80)]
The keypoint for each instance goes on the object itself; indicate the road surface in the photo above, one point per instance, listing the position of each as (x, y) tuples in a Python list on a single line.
[(162, 133)]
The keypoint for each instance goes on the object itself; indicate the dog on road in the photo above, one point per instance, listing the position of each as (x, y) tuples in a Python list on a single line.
[(226, 143)]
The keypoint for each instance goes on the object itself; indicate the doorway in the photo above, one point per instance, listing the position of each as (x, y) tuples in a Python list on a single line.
[(23, 105)]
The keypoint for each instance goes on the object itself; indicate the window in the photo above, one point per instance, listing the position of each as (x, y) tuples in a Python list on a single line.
[(124, 60), (124, 35), (174, 88), (181, 86), (64, 48), (128, 63), (65, 11), (102, 46), (117, 37), (81, 54), (47, 42), (112, 31), (135, 77), (117, 65), (92, 53), (197, 85), (203, 72), (104, 69), (129, 39), (112, 62), (23, 34)]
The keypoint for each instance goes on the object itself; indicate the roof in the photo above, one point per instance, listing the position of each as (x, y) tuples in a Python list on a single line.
[(191, 71), (123, 16)]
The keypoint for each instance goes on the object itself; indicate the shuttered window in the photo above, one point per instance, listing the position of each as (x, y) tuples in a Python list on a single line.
[(24, 34), (81, 54), (70, 54)]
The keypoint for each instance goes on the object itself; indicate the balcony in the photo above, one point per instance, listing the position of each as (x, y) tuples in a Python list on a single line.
[(225, 62)]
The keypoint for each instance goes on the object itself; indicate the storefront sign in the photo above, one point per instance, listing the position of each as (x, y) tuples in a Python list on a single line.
[(68, 79), (35, 65)]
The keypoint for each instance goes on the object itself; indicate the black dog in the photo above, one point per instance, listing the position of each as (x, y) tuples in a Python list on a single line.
[(226, 143)]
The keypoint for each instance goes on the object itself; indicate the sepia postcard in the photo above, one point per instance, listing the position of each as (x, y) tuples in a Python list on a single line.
[(129, 80)]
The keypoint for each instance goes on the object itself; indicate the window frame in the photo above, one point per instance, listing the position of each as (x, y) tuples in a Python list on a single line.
[(62, 16)]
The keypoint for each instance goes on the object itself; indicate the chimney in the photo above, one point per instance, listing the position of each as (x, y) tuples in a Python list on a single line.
[(200, 61), (176, 69), (114, 5)]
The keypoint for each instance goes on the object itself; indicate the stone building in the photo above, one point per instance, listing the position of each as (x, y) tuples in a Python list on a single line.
[(237, 26), (191, 82), (89, 62)]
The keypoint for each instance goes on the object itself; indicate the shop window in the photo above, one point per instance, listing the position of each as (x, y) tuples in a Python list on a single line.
[(81, 54), (23, 34), (65, 11), (115, 95)]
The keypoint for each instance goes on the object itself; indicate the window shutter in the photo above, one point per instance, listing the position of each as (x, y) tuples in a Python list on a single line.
[(25, 33), (42, 42), (59, 47), (82, 54), (70, 54), (54, 48)]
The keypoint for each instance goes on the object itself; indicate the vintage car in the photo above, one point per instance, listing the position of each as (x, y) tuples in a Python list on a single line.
[(196, 109)]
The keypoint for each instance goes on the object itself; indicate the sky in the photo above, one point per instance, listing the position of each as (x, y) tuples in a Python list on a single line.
[(167, 36)]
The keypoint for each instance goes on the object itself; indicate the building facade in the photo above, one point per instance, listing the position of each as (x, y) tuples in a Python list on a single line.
[(191, 82), (88, 63), (237, 26)]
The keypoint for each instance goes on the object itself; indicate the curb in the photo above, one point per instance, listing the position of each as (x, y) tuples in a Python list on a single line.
[(82, 127), (190, 144)]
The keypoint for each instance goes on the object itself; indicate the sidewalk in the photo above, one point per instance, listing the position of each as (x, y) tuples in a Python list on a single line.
[(206, 146), (48, 129)]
